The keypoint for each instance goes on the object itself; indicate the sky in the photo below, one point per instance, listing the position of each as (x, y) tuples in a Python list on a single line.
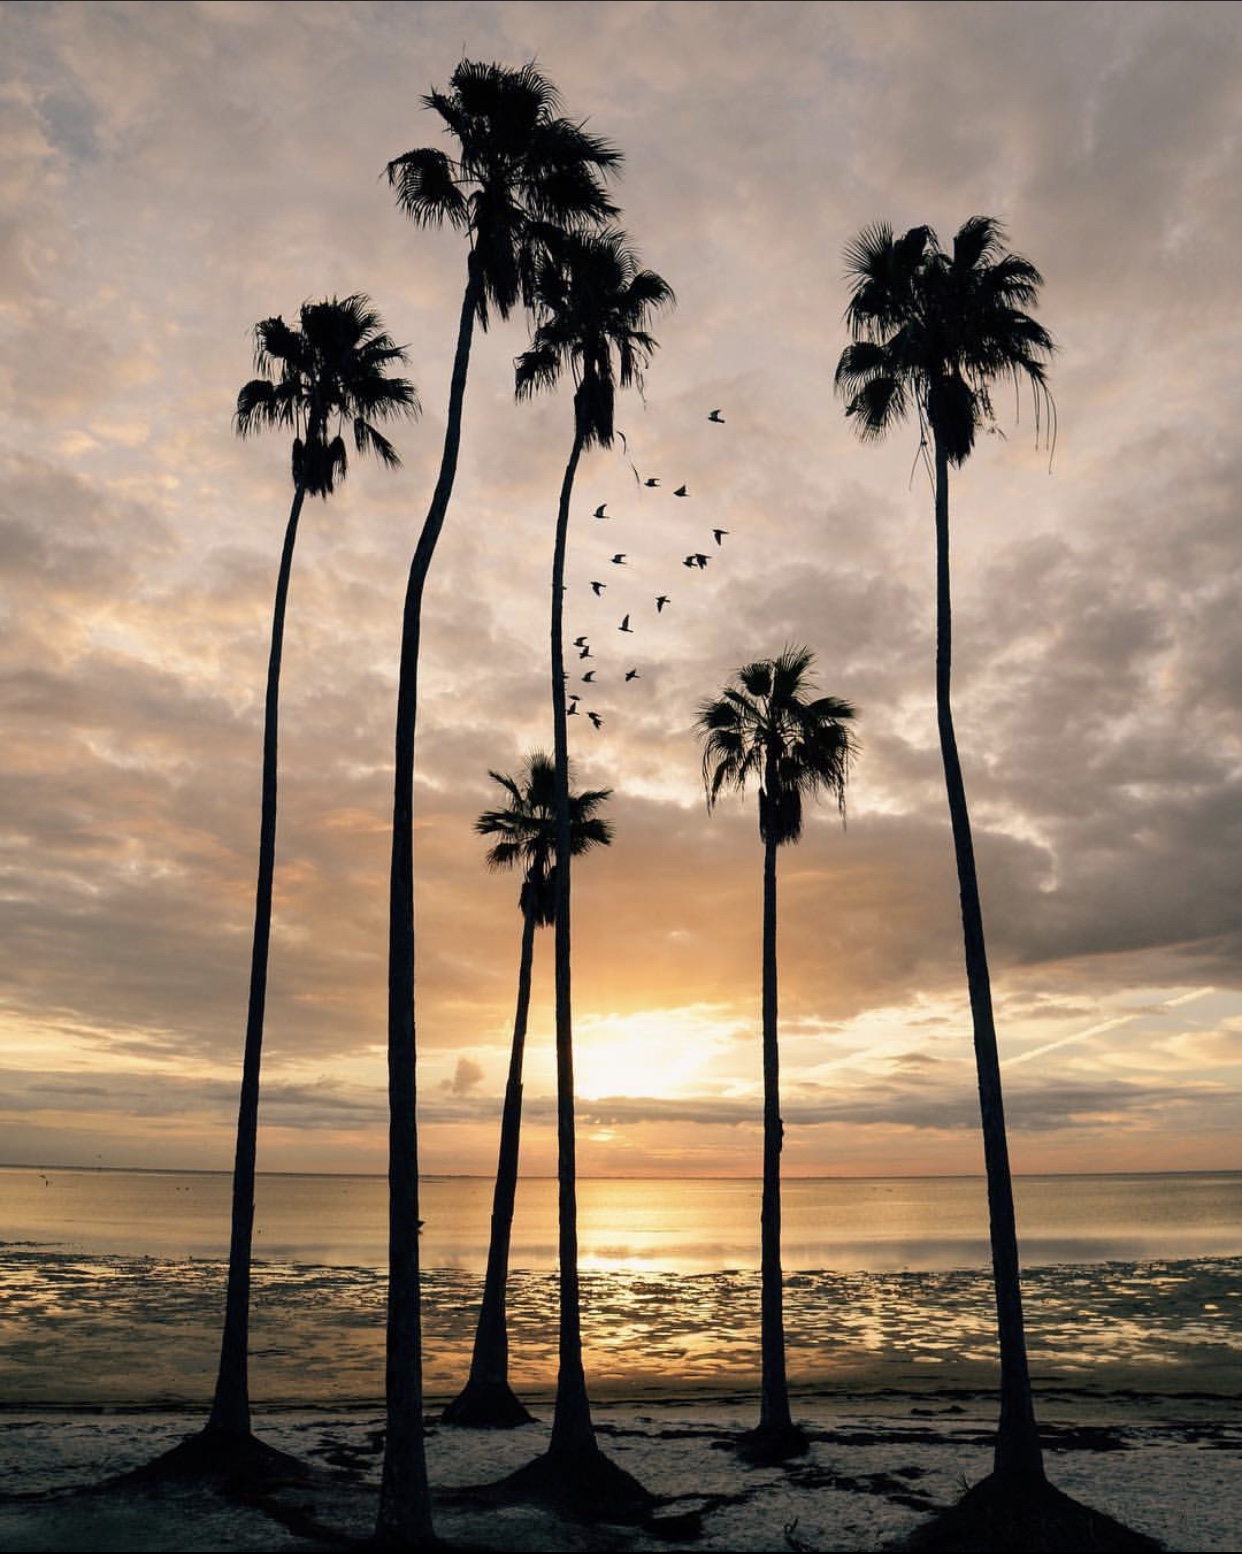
[(173, 173)]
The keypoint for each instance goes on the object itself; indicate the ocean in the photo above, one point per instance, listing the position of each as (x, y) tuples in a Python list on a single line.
[(111, 1284)]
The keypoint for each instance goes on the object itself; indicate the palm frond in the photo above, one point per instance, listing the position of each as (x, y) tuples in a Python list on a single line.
[(329, 370), (765, 728)]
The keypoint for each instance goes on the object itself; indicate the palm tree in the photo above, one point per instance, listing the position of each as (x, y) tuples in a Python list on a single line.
[(593, 303), (526, 838), (934, 331), (328, 369), (764, 729), (519, 169)]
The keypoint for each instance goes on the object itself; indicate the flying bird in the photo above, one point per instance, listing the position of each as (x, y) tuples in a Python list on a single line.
[(599, 511), (625, 625), (599, 588), (700, 560), (632, 674), (572, 710), (589, 677), (595, 718), (580, 641), (718, 533), (651, 481), (681, 491), (661, 601), (619, 559), (717, 417), (584, 652)]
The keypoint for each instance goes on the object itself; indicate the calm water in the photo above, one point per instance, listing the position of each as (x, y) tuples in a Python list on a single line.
[(111, 1284), (694, 1225)]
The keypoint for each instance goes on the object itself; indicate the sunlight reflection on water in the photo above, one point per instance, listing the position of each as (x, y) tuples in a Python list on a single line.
[(123, 1329), (884, 1280)]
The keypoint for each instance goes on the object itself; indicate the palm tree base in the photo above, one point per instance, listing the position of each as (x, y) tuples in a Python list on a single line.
[(582, 1481), (487, 1405), (238, 1461), (772, 1443), (1000, 1516)]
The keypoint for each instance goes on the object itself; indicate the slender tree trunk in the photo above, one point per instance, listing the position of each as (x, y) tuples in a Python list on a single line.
[(1018, 1454), (774, 1416), (230, 1409), (487, 1398), (573, 1433), (405, 1504)]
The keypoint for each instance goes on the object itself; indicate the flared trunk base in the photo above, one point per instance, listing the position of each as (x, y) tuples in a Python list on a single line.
[(584, 1481), (243, 1462), (487, 1405), (1009, 1516), (772, 1443)]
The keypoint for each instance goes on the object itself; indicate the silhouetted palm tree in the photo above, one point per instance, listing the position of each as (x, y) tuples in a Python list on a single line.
[(526, 832), (764, 729), (329, 369), (932, 333), (519, 169), (593, 303)]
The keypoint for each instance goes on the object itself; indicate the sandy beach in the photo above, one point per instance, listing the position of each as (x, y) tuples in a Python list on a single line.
[(878, 1465)]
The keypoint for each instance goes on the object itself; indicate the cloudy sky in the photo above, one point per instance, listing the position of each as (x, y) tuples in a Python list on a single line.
[(173, 173)]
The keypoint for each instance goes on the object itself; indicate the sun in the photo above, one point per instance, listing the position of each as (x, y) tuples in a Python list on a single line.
[(651, 1052)]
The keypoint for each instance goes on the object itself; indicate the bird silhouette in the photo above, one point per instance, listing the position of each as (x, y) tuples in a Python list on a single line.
[(717, 417), (632, 674), (599, 511), (584, 653), (572, 710), (598, 587), (651, 481), (661, 601), (681, 491), (580, 641), (718, 533), (619, 559), (589, 677), (699, 559), (596, 719), (625, 625)]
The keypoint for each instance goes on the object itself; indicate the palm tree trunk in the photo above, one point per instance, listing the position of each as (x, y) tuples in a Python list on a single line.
[(405, 1506), (774, 1416), (1018, 1455), (573, 1433), (230, 1409), (487, 1398)]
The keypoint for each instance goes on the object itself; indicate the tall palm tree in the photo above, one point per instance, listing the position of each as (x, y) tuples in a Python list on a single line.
[(525, 830), (519, 168), (328, 369), (932, 332), (593, 303), (764, 729)]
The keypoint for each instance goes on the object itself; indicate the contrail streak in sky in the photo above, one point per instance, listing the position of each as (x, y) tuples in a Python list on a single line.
[(1105, 1025)]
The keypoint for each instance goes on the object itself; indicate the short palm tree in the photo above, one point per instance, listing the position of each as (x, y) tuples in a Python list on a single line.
[(329, 369), (520, 168), (525, 832), (593, 303), (766, 729), (932, 332)]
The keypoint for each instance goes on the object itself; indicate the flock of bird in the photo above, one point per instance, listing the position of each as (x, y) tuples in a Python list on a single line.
[(696, 560)]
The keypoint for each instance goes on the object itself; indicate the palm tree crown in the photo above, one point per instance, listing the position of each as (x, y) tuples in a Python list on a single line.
[(526, 831), (765, 729), (593, 303), (522, 169), (329, 369), (938, 329)]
